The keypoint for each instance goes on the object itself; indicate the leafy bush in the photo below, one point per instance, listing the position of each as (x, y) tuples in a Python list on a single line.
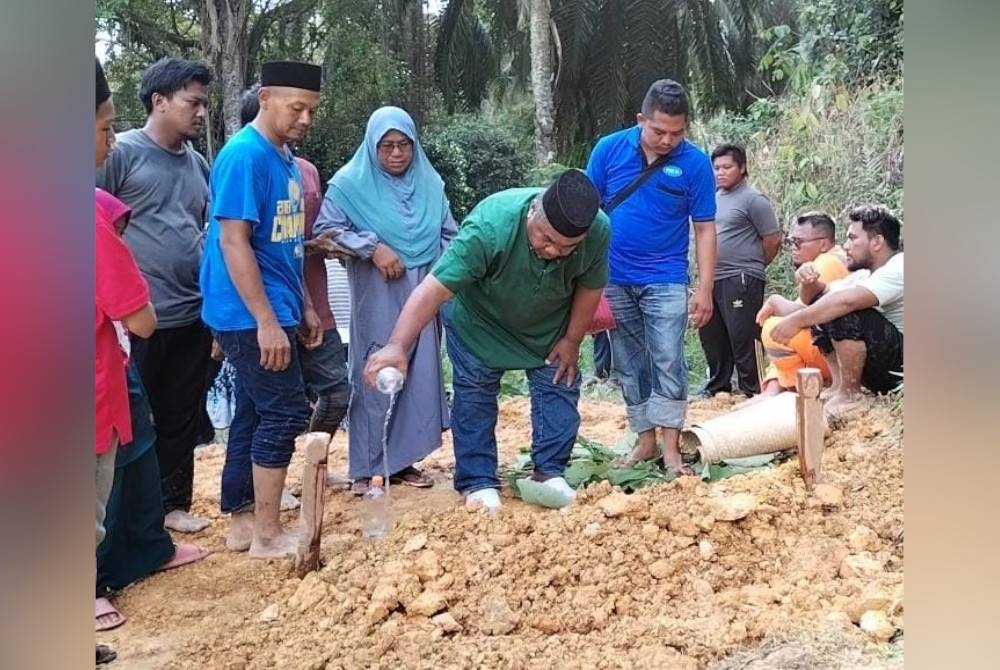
[(476, 158), (831, 149)]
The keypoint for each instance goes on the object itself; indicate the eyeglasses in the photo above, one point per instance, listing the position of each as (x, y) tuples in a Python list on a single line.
[(390, 147), (797, 242)]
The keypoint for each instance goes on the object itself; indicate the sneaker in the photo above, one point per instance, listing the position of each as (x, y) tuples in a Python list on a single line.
[(487, 500), (561, 486)]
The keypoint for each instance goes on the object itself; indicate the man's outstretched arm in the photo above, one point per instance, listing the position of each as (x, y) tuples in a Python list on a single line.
[(422, 305)]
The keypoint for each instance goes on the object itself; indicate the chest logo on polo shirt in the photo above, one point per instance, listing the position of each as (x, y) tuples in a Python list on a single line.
[(289, 223), (673, 171)]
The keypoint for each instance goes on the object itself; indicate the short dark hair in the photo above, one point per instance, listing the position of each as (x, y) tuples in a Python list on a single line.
[(668, 97), (249, 104), (819, 221), (738, 154), (878, 220), (169, 75), (103, 90)]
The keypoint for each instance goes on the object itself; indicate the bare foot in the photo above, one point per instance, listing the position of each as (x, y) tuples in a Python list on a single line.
[(639, 453), (673, 460), (283, 544), (184, 522), (839, 407), (678, 465), (240, 534)]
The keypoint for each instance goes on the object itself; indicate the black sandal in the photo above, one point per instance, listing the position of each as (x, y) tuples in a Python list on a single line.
[(412, 477), (105, 654)]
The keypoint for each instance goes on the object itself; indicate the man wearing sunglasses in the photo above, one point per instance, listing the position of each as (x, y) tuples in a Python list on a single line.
[(858, 322), (818, 261)]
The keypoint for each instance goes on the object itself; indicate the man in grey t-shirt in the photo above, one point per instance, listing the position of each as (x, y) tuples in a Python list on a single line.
[(747, 239), (156, 172)]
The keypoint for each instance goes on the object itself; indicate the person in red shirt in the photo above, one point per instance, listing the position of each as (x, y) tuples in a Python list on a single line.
[(122, 297)]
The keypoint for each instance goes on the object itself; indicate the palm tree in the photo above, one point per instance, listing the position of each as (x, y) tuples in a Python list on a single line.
[(540, 17), (592, 65)]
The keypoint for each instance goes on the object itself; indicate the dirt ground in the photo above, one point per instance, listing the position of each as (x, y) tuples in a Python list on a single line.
[(656, 580)]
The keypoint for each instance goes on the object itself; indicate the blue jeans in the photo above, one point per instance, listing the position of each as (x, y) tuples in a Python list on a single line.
[(271, 410), (555, 419), (602, 354), (647, 347)]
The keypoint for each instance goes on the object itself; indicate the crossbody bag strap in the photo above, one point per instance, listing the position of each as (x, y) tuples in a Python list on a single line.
[(634, 185)]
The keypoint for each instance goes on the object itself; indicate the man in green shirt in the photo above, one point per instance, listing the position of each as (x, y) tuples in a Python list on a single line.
[(526, 272)]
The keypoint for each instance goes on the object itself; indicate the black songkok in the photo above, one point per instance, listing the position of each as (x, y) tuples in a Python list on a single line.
[(291, 74), (570, 203)]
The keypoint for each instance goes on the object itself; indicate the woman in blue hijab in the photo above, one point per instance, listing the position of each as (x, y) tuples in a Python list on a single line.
[(388, 207)]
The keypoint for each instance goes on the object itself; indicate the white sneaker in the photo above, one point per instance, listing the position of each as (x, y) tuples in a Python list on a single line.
[(562, 487), (487, 500)]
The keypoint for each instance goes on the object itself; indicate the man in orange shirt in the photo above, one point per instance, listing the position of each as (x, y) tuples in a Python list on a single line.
[(818, 261)]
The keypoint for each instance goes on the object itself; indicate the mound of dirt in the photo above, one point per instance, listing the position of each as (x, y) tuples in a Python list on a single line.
[(676, 576)]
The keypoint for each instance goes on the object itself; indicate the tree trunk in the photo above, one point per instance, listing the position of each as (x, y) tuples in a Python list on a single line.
[(225, 47), (542, 80)]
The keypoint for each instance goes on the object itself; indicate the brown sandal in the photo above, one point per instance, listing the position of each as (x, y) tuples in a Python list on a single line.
[(412, 477)]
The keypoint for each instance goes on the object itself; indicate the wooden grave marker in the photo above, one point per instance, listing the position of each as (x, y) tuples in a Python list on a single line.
[(811, 425), (316, 446)]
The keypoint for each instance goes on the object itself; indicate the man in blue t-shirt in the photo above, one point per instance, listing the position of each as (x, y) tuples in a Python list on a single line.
[(652, 182), (254, 301)]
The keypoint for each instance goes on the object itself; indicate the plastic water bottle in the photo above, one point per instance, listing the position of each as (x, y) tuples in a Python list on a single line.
[(375, 520), (389, 380)]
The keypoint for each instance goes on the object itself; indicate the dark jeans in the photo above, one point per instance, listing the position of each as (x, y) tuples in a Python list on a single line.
[(883, 341), (728, 338), (271, 410), (135, 543), (555, 418), (174, 365), (324, 372), (602, 354)]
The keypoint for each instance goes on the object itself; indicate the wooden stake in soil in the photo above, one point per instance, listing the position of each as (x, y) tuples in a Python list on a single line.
[(316, 447), (811, 425)]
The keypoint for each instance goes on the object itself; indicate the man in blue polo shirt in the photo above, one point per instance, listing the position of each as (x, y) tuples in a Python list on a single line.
[(652, 182), (252, 280)]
